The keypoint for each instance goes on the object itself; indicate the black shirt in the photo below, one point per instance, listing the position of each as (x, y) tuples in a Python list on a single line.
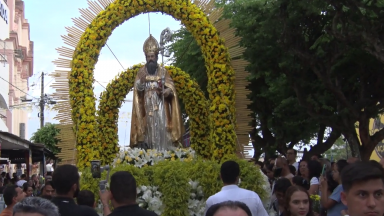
[(68, 207), (132, 210)]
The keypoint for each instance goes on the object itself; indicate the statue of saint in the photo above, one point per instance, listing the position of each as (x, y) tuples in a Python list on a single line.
[(155, 124)]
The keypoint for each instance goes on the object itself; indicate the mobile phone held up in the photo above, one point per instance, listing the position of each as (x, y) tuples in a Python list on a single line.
[(324, 169), (96, 169)]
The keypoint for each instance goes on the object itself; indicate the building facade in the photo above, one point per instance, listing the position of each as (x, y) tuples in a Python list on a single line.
[(16, 66)]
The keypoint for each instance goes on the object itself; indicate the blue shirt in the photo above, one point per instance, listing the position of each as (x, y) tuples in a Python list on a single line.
[(336, 196)]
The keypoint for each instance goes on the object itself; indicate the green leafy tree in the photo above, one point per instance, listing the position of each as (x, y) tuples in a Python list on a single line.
[(340, 150), (278, 120), (359, 23), (187, 55), (336, 79), (47, 136)]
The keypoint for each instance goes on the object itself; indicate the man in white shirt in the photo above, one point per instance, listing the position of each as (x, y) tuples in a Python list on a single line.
[(230, 173), (22, 180), (49, 166), (291, 158)]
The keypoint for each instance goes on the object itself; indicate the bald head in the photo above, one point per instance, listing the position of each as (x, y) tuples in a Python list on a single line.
[(282, 164), (229, 208), (281, 161)]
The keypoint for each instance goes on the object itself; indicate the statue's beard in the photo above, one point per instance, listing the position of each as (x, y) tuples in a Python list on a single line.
[(151, 67)]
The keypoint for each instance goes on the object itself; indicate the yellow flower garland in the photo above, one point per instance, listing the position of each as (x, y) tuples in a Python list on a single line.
[(111, 100), (220, 74)]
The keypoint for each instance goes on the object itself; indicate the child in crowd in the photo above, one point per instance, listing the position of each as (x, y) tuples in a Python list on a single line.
[(297, 202)]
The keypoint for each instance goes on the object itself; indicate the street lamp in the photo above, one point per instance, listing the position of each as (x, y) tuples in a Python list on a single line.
[(24, 99)]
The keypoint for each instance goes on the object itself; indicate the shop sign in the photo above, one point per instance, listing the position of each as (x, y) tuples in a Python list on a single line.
[(4, 20)]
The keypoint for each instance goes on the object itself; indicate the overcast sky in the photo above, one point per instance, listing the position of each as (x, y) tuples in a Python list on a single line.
[(48, 20)]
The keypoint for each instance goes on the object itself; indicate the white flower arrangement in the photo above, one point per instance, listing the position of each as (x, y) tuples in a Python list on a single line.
[(139, 157), (196, 202), (150, 198), (266, 186)]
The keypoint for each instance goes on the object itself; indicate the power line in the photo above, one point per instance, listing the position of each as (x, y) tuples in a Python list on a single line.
[(5, 44), (17, 87), (100, 84), (115, 56), (48, 83)]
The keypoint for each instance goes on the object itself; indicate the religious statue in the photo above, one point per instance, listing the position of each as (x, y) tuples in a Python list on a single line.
[(156, 118)]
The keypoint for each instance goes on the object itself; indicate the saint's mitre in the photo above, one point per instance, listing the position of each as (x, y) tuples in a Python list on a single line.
[(151, 45)]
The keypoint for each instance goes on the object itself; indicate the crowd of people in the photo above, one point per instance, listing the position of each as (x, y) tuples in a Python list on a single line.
[(344, 188), (31, 187), (53, 195), (327, 185)]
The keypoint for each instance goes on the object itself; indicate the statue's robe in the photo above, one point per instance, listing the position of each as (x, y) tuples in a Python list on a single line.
[(147, 123)]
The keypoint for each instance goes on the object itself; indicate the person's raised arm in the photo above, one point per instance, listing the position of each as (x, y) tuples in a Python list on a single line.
[(326, 202), (105, 198)]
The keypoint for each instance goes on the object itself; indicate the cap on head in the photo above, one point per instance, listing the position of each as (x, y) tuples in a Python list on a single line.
[(151, 45)]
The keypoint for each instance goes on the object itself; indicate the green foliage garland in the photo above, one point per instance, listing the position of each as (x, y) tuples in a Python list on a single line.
[(172, 179)]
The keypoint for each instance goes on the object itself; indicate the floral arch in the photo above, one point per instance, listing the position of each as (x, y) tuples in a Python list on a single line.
[(221, 120)]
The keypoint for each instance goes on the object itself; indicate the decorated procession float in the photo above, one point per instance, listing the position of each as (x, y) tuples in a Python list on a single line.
[(171, 180)]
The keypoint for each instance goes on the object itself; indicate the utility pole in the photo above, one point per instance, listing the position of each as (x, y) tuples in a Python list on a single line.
[(42, 101)]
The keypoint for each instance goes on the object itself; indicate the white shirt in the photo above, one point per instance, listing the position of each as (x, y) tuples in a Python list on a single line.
[(296, 165), (314, 181), (20, 183), (49, 167), (234, 193)]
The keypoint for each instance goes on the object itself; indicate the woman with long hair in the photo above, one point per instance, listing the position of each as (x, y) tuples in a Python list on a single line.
[(27, 189), (300, 181), (303, 169), (297, 202), (333, 202), (269, 173), (314, 172)]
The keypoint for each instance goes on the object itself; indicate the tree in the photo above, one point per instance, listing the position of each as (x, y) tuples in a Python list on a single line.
[(358, 23), (337, 81), (282, 120), (187, 55), (47, 136), (278, 121), (340, 150)]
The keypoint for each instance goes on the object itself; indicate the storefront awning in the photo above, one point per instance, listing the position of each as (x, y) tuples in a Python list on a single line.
[(16, 149)]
